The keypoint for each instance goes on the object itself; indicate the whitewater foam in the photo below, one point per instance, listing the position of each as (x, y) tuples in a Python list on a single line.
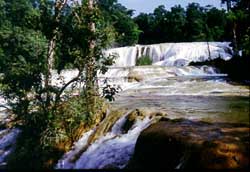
[(172, 54)]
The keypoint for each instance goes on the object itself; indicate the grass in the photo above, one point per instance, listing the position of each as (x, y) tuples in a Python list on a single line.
[(143, 60)]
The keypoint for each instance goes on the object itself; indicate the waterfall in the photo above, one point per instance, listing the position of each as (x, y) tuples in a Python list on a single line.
[(65, 162), (169, 84), (111, 150), (172, 54)]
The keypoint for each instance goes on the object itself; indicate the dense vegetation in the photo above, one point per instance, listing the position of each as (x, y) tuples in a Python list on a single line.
[(37, 36), (195, 23), (143, 60)]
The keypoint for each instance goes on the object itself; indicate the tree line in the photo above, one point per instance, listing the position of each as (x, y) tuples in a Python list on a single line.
[(196, 23)]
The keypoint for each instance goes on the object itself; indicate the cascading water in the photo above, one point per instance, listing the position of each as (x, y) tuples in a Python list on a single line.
[(169, 85), (170, 77), (115, 151), (111, 150), (65, 162), (172, 54)]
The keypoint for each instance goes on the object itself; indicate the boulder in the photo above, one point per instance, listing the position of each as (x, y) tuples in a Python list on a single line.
[(131, 119), (140, 114), (186, 144), (134, 76)]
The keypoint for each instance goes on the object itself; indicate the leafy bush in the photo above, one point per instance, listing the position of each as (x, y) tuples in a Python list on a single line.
[(143, 60), (42, 146), (109, 91)]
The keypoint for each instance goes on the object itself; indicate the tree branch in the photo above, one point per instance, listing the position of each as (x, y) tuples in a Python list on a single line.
[(66, 85)]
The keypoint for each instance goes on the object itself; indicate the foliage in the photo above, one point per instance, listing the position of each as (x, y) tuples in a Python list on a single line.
[(70, 115), (24, 55), (143, 60), (145, 23), (195, 23), (109, 91), (246, 44), (119, 19), (40, 147), (22, 63)]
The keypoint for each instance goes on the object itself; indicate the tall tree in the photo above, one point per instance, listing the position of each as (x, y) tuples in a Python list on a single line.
[(119, 18), (90, 65), (195, 23), (215, 21), (58, 7), (160, 25), (145, 23), (175, 24)]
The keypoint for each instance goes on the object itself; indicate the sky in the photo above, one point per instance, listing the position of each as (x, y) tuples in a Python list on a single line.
[(148, 6)]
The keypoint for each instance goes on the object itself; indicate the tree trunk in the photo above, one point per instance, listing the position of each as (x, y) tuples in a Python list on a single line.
[(209, 52), (235, 46), (90, 67), (59, 4), (207, 37), (50, 58), (229, 5)]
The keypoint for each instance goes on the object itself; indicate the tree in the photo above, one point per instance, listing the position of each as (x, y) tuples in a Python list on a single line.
[(90, 65), (145, 23), (159, 25), (120, 20), (215, 21), (175, 24), (237, 21), (195, 23), (27, 55), (230, 3), (59, 5)]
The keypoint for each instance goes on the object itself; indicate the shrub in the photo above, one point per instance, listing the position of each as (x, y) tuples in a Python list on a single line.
[(41, 147), (143, 60)]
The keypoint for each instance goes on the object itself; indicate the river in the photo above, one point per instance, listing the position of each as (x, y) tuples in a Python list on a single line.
[(170, 85)]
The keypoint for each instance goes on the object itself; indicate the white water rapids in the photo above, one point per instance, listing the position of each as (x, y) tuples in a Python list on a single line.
[(173, 54), (106, 151), (169, 84)]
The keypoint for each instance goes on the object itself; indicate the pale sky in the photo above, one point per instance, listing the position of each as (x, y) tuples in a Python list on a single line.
[(148, 6)]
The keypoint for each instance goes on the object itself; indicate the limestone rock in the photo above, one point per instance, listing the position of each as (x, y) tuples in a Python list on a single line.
[(131, 119), (187, 144), (134, 76)]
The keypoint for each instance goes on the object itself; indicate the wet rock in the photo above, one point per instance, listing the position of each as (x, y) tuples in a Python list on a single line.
[(131, 119), (140, 114), (107, 124), (2, 126), (101, 129), (158, 115), (185, 144), (134, 76)]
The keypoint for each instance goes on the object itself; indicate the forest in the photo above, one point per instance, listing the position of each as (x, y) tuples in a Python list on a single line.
[(39, 38)]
